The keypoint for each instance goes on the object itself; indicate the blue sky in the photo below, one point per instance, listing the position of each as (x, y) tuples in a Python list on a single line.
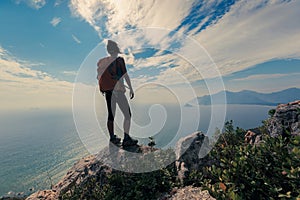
[(43, 43), (28, 34)]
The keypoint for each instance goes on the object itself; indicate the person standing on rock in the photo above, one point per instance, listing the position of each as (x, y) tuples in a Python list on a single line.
[(111, 74)]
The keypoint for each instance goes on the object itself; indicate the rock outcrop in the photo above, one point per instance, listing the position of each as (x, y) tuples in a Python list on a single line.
[(99, 166), (93, 166), (79, 173), (190, 154), (44, 194), (189, 193), (253, 136), (285, 119)]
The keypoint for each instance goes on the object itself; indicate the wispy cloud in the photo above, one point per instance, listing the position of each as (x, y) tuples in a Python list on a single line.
[(55, 21), (76, 39), (253, 32), (258, 77), (57, 3), (2, 51), (23, 87), (246, 33), (69, 73), (116, 16), (36, 4)]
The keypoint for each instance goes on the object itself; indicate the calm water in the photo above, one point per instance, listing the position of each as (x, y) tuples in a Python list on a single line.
[(36, 145)]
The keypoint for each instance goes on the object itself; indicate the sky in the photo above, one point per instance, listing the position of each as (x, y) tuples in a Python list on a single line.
[(187, 46)]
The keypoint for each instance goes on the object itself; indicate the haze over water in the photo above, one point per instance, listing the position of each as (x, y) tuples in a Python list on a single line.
[(39, 144)]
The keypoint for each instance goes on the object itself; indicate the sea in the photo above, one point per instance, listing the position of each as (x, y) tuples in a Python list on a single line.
[(38, 146)]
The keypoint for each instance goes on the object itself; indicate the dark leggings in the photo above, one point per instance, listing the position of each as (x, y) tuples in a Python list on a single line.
[(113, 98)]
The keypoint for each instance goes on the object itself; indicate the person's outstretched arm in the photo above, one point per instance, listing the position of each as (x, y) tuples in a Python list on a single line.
[(100, 70), (127, 79)]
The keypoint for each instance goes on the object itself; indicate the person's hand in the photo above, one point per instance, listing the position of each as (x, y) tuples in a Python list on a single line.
[(131, 94)]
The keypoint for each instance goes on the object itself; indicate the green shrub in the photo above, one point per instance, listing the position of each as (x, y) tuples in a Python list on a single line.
[(125, 185), (270, 170), (152, 142), (90, 189), (271, 112), (151, 185), (122, 185)]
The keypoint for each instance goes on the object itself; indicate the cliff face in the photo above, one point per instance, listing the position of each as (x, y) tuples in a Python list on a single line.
[(285, 119), (93, 167), (84, 168), (190, 154)]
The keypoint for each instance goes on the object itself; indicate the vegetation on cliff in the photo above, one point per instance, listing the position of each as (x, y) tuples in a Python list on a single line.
[(268, 170)]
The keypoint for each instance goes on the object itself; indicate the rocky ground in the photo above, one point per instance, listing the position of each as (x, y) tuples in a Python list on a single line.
[(189, 193), (93, 165), (285, 118)]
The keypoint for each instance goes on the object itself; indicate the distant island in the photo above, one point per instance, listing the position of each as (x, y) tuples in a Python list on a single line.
[(249, 97)]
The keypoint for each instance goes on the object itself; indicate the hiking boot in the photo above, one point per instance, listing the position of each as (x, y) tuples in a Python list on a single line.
[(128, 141), (115, 140)]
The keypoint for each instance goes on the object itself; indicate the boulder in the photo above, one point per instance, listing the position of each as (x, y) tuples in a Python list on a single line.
[(188, 193), (190, 154), (78, 174), (44, 195), (253, 136), (286, 119), (99, 166)]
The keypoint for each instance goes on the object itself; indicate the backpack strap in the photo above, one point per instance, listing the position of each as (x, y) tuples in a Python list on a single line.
[(118, 74)]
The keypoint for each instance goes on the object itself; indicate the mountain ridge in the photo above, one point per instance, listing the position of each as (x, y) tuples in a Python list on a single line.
[(249, 97)]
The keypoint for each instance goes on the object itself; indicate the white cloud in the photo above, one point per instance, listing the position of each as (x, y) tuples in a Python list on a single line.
[(2, 51), (258, 77), (22, 87), (89, 10), (121, 14), (70, 73), (76, 39), (165, 15), (251, 32), (55, 21), (36, 4), (57, 3)]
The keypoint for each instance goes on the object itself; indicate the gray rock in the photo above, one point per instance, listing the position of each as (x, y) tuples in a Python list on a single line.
[(286, 118), (99, 165), (189, 193), (190, 152), (78, 174), (43, 195), (253, 136), (188, 157)]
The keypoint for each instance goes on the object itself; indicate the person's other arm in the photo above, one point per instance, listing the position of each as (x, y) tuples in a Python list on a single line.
[(127, 79), (100, 69)]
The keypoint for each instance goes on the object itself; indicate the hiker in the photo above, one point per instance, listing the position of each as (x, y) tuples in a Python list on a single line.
[(111, 74)]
